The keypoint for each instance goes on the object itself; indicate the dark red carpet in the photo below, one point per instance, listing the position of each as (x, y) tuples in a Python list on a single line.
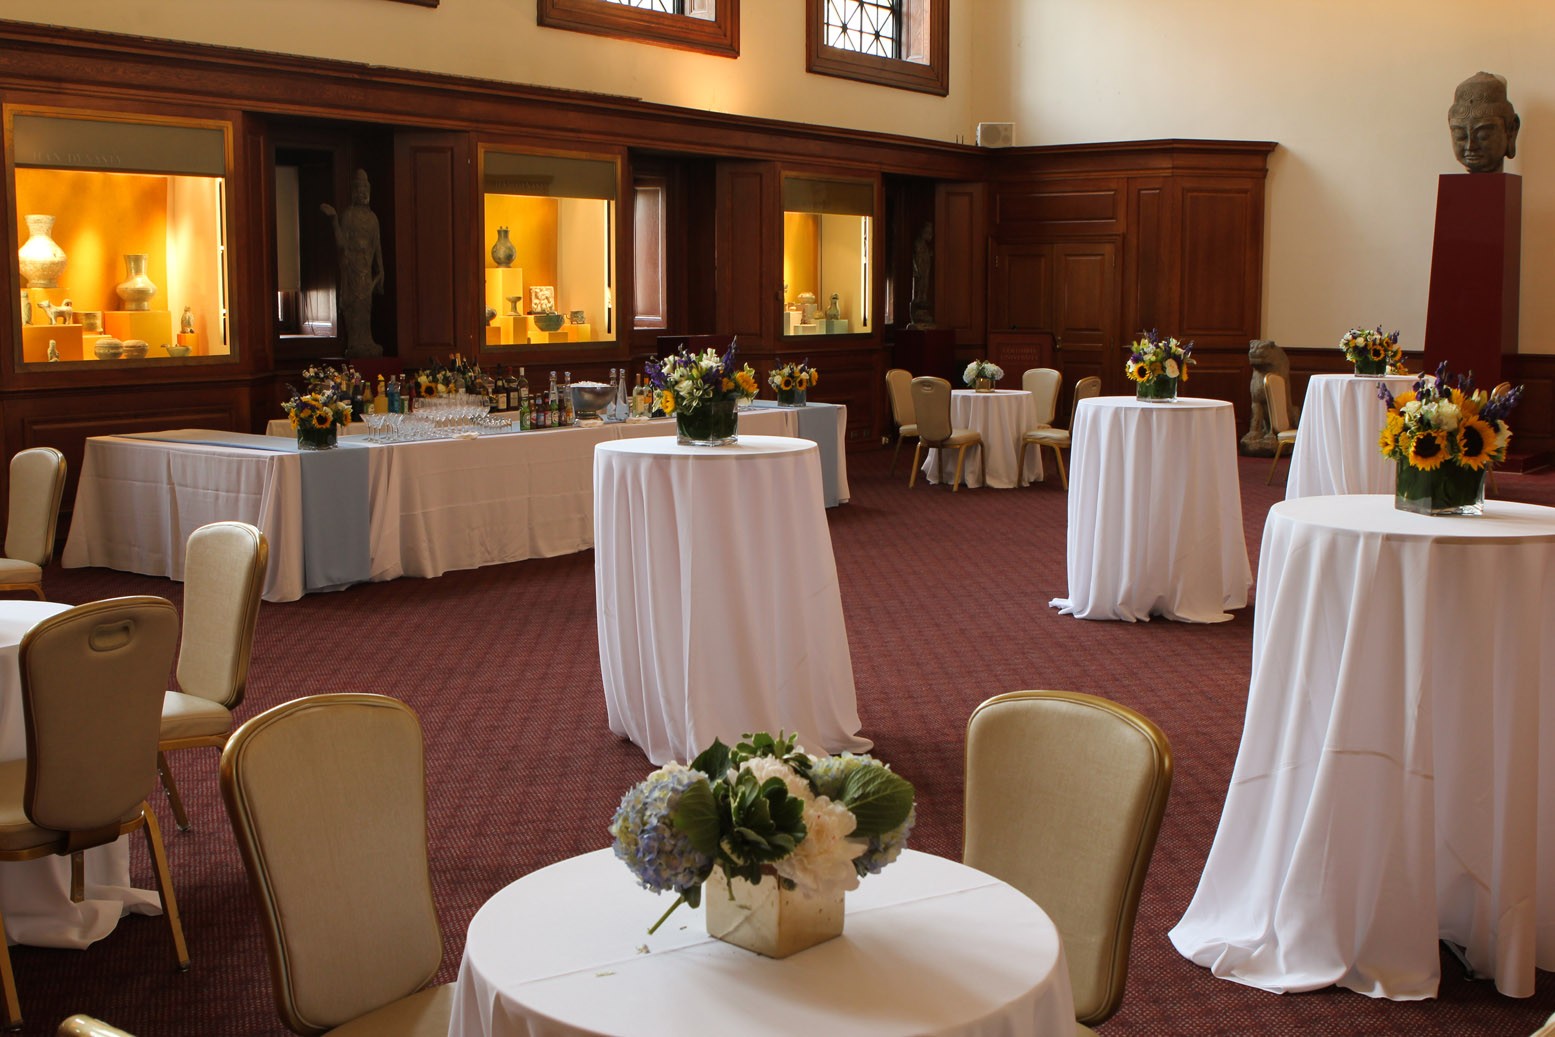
[(502, 666)]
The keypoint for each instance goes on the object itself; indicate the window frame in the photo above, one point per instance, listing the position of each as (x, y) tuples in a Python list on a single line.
[(720, 36), (931, 78)]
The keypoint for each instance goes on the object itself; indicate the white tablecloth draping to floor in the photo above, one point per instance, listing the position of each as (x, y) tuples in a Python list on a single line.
[(1001, 417), (825, 425), (718, 603), (35, 895), (1155, 512), (1396, 778), (929, 947), (1336, 441)]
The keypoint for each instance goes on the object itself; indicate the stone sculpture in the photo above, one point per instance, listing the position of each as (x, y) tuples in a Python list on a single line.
[(922, 310), (361, 267), (1266, 358), (1484, 126)]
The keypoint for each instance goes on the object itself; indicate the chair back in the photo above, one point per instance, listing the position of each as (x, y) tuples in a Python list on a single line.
[(93, 678), (224, 574), (37, 482), (1501, 389), (898, 383), (1278, 395), (1087, 388), (931, 408), (327, 796), (1064, 797), (1042, 383)]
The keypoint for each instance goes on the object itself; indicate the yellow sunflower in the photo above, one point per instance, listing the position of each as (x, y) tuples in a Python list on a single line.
[(814, 377), (1407, 396), (1138, 370), (293, 417), (1428, 449), (726, 385), (747, 382), (1391, 430), (787, 383), (1376, 351), (323, 419), (667, 401), (1476, 442)]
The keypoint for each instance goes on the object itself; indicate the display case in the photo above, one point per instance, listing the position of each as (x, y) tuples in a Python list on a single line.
[(550, 237), (828, 228), (122, 224)]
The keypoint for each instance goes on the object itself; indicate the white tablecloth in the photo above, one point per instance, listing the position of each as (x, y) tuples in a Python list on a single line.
[(1396, 780), (716, 589), (35, 895), (1336, 442), (1155, 512), (928, 946), (1001, 417)]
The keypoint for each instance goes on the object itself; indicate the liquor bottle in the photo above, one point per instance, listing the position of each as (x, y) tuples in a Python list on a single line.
[(499, 401), (381, 398), (567, 418), (523, 414)]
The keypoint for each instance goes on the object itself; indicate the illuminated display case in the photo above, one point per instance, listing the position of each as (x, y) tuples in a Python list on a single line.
[(827, 240), (550, 225), (122, 237)]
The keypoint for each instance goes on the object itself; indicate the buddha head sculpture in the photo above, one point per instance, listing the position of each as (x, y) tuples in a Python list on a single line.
[(1483, 123)]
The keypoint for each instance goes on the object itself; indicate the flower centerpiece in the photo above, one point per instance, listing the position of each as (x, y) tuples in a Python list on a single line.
[(703, 391), (982, 374), (1445, 437), (1372, 352), (1157, 364), (792, 381), (781, 834), (318, 417)]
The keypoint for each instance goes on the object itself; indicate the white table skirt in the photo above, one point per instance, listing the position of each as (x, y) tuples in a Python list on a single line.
[(1396, 779), (35, 895), (929, 946), (1336, 441), (1155, 512), (718, 603), (1001, 417)]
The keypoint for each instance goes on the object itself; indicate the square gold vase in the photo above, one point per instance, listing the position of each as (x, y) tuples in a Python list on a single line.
[(768, 919)]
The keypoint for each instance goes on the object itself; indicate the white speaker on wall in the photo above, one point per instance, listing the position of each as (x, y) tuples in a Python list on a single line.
[(995, 134)]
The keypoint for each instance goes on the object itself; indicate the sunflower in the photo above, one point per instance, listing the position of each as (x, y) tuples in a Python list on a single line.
[(1138, 370), (1407, 396), (726, 385), (323, 419), (787, 383), (1476, 442), (1391, 430), (814, 377), (746, 381), (667, 401), (1377, 351), (1427, 450), (293, 416)]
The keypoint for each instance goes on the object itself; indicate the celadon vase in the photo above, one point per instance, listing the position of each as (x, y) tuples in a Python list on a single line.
[(768, 919), (40, 258), (502, 250), (136, 289)]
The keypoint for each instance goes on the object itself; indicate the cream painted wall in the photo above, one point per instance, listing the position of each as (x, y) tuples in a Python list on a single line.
[(1356, 94)]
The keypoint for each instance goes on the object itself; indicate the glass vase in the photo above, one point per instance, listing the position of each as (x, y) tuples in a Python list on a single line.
[(1158, 389), (1366, 367), (309, 438), (768, 919), (785, 397), (710, 424), (1448, 489)]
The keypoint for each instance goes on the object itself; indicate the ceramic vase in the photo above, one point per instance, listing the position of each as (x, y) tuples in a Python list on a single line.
[(768, 919), (41, 259), (136, 289), (502, 251)]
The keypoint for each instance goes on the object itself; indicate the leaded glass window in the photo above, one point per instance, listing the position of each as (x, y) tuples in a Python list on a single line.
[(865, 26)]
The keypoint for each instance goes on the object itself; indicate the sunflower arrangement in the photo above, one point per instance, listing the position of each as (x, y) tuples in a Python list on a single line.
[(792, 377), (1445, 436), (318, 416), (1372, 352), (1152, 356), (685, 382)]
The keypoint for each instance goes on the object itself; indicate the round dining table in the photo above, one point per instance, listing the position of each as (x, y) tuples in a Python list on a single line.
[(1001, 418), (1336, 440), (929, 947)]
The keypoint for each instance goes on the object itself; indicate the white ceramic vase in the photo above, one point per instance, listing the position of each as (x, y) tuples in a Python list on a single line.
[(42, 260), (137, 289)]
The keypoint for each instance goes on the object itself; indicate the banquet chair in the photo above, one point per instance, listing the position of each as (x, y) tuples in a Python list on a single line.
[(327, 796), (224, 573), (898, 383), (1501, 389), (37, 481), (1059, 438), (1042, 383), (1278, 394), (92, 680), (86, 1026), (931, 408), (1064, 798)]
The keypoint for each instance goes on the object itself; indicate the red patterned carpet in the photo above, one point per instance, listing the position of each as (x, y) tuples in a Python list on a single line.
[(502, 666)]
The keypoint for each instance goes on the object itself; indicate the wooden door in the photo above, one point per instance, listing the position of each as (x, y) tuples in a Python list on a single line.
[(1020, 287), (1085, 308), (435, 231), (749, 249)]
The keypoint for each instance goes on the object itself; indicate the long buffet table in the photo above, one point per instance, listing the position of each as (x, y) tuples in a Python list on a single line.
[(377, 511)]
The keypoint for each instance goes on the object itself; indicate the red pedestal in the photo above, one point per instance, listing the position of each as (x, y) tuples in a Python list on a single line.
[(1471, 318)]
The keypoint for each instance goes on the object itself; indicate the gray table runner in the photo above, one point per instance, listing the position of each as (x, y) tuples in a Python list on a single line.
[(818, 424)]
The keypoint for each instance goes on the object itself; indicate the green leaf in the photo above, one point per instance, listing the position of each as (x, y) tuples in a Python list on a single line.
[(879, 798), (696, 815), (713, 761)]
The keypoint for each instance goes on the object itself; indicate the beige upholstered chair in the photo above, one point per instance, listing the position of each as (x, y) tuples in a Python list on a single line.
[(1278, 394), (1058, 438), (898, 383), (1042, 383), (86, 1026), (92, 679), (327, 796), (224, 573), (931, 408), (1064, 797), (37, 481)]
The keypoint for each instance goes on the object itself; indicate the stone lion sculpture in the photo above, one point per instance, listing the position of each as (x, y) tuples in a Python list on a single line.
[(1267, 358)]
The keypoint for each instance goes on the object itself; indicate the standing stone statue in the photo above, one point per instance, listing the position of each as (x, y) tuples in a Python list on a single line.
[(922, 310), (1484, 125), (1266, 358), (361, 267)]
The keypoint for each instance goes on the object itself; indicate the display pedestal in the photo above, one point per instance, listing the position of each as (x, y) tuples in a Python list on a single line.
[(154, 327), (190, 339), (68, 340), (502, 283), (1471, 315)]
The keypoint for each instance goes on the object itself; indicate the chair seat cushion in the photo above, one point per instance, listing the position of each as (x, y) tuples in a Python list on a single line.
[(1047, 436), (423, 1014), (14, 571), (1286, 437), (189, 716), (908, 430), (958, 437), (16, 832)]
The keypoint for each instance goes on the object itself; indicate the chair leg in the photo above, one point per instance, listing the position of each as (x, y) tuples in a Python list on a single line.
[(13, 1006), (1063, 477), (164, 876), (916, 451), (1020, 464), (960, 460), (897, 453), (77, 878), (1278, 446), (170, 787)]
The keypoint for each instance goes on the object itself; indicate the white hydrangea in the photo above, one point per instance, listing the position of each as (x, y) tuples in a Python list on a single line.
[(824, 860), (764, 767)]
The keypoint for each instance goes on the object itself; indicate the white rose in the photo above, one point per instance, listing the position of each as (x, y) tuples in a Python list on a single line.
[(1412, 407), (1171, 369), (823, 861), (1446, 415)]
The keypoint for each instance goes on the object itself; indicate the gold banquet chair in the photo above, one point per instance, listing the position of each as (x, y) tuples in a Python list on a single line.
[(1042, 383), (931, 408), (224, 574), (1060, 438), (1064, 798), (86, 1026), (1278, 394), (92, 680), (898, 383), (37, 481), (327, 796)]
